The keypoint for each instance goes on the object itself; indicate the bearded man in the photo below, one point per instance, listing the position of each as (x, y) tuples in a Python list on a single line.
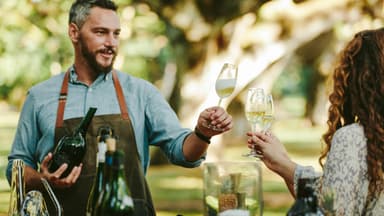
[(135, 110)]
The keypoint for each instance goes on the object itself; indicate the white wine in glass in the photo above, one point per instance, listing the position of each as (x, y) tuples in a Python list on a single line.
[(226, 81), (225, 85), (254, 111), (268, 117)]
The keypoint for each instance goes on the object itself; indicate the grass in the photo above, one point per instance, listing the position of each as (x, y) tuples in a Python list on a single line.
[(179, 191)]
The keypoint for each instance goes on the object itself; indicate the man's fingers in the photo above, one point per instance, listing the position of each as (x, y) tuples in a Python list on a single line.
[(77, 173), (46, 160), (227, 121), (69, 180), (61, 170), (205, 116), (74, 175)]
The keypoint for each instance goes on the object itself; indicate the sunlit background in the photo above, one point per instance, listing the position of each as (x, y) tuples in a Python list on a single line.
[(287, 47)]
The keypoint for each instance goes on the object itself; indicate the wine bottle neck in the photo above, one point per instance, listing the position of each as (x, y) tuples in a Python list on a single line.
[(84, 124), (108, 166)]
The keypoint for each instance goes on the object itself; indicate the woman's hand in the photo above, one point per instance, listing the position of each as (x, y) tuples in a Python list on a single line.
[(275, 156)]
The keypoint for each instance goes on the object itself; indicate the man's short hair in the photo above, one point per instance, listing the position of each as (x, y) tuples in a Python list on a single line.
[(80, 9)]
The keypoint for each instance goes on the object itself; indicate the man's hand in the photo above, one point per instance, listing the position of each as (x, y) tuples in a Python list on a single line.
[(54, 178), (196, 144), (217, 117)]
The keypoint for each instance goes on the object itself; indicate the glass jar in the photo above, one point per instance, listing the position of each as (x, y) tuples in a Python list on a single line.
[(233, 188)]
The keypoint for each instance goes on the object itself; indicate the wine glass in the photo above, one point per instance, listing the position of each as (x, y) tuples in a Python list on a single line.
[(226, 81), (224, 86), (268, 117), (254, 111)]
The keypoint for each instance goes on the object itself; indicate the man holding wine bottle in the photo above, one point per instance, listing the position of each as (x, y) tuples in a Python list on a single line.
[(136, 111)]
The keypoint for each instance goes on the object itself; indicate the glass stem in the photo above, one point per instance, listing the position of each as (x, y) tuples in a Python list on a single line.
[(254, 127), (219, 102)]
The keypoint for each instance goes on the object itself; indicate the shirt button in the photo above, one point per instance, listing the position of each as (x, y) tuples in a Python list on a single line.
[(90, 89)]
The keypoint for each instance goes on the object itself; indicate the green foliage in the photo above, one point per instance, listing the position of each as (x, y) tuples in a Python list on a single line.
[(31, 43), (291, 81)]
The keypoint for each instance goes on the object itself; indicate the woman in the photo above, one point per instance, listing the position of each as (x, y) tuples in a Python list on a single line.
[(354, 141)]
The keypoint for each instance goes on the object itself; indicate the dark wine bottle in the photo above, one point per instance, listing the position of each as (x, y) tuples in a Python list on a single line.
[(71, 148), (306, 203), (117, 200), (103, 134), (111, 148)]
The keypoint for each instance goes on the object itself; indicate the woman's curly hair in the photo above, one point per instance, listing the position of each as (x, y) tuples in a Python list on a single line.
[(358, 96)]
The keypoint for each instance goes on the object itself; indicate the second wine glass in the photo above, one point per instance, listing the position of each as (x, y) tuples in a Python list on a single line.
[(254, 111)]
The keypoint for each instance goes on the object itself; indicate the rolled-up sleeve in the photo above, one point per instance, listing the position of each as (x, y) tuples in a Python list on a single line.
[(166, 132)]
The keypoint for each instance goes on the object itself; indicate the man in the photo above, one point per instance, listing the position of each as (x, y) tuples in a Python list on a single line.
[(136, 111)]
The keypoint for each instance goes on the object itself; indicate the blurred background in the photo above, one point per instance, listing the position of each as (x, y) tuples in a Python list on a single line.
[(288, 47)]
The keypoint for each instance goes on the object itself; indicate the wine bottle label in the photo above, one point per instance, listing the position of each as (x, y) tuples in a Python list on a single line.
[(102, 147)]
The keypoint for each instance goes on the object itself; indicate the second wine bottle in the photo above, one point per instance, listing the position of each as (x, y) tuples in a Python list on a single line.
[(115, 199)]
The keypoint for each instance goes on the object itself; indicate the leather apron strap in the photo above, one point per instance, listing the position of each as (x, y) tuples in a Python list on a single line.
[(120, 96), (74, 199), (62, 100), (64, 94)]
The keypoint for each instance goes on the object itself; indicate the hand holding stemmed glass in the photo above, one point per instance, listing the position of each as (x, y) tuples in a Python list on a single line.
[(255, 107), (225, 85)]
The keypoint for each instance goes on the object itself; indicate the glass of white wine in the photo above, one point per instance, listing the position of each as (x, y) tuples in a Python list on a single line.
[(226, 81), (268, 117), (225, 85), (254, 111)]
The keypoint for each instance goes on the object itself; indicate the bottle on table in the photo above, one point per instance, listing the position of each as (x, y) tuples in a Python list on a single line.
[(71, 148), (115, 199), (104, 133), (306, 203), (111, 148)]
